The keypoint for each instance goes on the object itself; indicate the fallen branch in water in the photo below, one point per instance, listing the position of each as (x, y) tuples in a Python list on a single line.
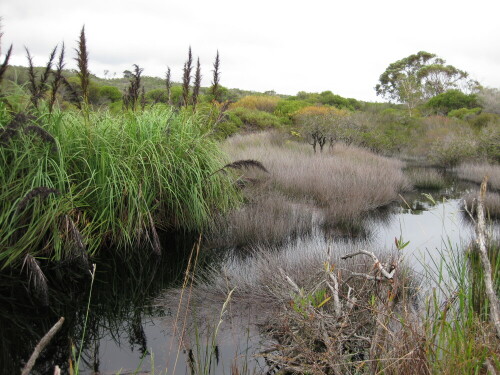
[(485, 261), (41, 345)]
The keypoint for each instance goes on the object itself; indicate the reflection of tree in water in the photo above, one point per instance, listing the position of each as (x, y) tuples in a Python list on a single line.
[(121, 293)]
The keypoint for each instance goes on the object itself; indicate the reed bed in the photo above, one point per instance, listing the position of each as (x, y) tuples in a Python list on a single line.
[(491, 204), (475, 172), (426, 178), (83, 181), (332, 188)]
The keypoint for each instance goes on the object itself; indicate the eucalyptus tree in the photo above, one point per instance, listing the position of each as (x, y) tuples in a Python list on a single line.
[(419, 77)]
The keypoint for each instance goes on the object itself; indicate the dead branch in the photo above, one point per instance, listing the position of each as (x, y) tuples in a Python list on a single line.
[(41, 345), (485, 261), (388, 274)]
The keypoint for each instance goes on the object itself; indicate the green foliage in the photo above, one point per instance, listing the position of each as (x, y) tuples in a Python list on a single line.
[(285, 108), (110, 93), (482, 120), (329, 98), (117, 182), (418, 77), (251, 118), (464, 113), (304, 301), (452, 100), (157, 96)]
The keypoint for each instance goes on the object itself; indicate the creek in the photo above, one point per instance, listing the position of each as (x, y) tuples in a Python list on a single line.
[(128, 327)]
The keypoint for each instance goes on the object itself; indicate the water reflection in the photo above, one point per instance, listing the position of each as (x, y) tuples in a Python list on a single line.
[(117, 320), (127, 322)]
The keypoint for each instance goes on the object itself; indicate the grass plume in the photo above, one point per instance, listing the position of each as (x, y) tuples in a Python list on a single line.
[(168, 84), (38, 87), (197, 84), (186, 78), (214, 89), (82, 60), (57, 81)]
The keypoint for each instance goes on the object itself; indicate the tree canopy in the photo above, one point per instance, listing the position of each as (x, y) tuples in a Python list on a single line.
[(419, 77)]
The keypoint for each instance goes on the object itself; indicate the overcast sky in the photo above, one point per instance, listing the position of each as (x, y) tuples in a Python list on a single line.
[(286, 46)]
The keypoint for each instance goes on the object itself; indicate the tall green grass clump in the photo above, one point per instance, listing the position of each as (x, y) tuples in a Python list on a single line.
[(68, 189)]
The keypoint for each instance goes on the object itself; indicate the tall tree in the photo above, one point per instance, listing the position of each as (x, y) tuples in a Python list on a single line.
[(419, 77), (214, 89), (186, 78)]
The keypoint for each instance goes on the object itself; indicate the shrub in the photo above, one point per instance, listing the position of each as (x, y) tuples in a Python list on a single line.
[(285, 108), (453, 150), (258, 102), (464, 113), (253, 118), (484, 119), (110, 93), (452, 100), (489, 143), (157, 96)]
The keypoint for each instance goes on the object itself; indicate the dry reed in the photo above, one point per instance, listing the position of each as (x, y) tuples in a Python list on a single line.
[(340, 181), (476, 172)]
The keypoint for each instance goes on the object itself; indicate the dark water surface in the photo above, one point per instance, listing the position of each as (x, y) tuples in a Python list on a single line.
[(127, 329)]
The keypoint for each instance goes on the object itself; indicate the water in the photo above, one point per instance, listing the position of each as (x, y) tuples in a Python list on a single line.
[(127, 322)]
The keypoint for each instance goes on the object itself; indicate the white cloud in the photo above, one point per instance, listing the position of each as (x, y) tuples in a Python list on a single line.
[(287, 46)]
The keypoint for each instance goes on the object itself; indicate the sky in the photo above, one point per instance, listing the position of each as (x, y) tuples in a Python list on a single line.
[(285, 46)]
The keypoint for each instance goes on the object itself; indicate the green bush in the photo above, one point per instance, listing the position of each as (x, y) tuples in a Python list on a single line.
[(452, 99), (157, 96), (252, 118), (285, 108), (110, 93), (464, 113)]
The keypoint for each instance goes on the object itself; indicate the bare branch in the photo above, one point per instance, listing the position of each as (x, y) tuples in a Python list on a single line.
[(41, 345)]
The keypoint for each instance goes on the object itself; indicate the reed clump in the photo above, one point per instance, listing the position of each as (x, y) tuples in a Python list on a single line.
[(475, 172), (116, 183), (491, 204), (426, 178), (333, 188)]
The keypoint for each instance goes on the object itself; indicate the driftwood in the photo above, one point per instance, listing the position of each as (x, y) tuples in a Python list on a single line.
[(485, 261), (41, 345)]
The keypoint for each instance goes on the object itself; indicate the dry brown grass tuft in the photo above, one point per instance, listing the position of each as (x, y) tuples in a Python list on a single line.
[(341, 178), (491, 204), (426, 178), (476, 172)]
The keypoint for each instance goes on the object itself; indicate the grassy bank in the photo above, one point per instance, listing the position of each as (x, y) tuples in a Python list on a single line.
[(73, 182)]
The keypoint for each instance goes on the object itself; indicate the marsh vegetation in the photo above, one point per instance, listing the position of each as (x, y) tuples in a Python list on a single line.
[(279, 199)]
